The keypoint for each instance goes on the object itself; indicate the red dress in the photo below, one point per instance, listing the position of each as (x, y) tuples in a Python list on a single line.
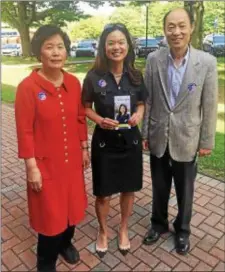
[(50, 125)]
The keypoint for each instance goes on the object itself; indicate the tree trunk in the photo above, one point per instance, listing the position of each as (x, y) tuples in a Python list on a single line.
[(197, 10), (25, 40), (23, 29)]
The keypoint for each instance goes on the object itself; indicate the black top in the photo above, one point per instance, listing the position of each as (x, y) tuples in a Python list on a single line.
[(123, 118), (101, 88)]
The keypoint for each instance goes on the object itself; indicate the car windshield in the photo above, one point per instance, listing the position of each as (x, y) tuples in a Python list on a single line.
[(159, 38), (9, 46), (84, 45), (150, 42), (219, 39)]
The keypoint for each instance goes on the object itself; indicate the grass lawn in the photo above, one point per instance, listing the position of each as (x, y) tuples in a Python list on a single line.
[(8, 93), (7, 60), (212, 166)]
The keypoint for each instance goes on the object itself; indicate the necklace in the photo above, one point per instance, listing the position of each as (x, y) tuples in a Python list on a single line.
[(117, 75), (56, 82)]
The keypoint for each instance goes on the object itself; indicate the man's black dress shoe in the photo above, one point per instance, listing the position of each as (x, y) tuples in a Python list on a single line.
[(151, 237), (182, 244), (70, 254)]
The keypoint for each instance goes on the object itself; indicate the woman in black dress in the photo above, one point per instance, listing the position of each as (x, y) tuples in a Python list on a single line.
[(116, 153)]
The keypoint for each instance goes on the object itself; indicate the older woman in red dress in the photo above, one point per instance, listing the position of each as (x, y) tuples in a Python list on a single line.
[(52, 139)]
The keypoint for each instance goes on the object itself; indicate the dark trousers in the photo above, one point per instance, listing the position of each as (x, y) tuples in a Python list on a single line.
[(49, 247), (163, 170)]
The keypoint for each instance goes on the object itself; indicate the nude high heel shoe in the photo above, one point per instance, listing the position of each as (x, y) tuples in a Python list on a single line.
[(99, 250), (124, 249)]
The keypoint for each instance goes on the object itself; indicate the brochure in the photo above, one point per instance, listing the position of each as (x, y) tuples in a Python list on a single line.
[(122, 108)]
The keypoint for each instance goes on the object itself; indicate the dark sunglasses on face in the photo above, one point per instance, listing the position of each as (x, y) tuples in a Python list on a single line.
[(108, 26)]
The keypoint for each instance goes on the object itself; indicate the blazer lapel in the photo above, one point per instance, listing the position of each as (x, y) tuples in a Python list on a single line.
[(162, 64), (190, 75)]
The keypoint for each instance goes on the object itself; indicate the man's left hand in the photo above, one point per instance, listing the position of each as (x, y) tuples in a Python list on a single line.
[(204, 152)]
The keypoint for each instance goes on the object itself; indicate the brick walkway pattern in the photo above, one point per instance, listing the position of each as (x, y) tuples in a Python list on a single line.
[(19, 240)]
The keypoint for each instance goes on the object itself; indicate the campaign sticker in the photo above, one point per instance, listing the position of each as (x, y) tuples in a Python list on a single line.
[(42, 96), (102, 83)]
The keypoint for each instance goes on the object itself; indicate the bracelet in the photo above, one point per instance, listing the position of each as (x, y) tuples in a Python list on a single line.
[(85, 147)]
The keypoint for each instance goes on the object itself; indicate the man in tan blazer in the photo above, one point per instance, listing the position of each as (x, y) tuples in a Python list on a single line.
[(179, 123)]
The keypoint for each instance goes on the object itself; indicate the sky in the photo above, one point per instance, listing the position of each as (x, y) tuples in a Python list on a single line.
[(104, 10)]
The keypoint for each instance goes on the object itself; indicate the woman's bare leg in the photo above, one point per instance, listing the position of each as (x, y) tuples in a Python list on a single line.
[(102, 211), (126, 204)]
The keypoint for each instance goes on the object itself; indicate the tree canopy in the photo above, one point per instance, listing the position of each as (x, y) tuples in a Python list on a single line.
[(25, 14)]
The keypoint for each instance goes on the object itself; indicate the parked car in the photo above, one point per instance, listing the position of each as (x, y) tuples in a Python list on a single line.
[(163, 42), (159, 38), (86, 48), (11, 49), (73, 49), (214, 44), (142, 50)]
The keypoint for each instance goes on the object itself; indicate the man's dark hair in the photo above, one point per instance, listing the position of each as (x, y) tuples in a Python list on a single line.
[(44, 33), (190, 16), (102, 62)]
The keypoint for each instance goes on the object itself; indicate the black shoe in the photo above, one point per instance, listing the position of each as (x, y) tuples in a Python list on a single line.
[(101, 252), (70, 254), (123, 249), (151, 237), (44, 266), (182, 244)]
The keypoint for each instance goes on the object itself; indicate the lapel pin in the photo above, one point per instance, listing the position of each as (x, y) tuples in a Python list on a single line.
[(42, 96), (191, 87), (102, 83)]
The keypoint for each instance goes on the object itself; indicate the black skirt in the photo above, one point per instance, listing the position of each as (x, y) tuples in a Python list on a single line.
[(116, 161)]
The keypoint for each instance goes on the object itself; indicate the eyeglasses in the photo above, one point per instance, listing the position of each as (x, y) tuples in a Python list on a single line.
[(112, 25)]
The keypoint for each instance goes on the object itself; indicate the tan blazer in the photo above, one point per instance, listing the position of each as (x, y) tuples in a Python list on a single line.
[(191, 124)]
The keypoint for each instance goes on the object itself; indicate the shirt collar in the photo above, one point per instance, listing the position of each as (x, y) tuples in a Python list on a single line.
[(185, 58), (47, 85)]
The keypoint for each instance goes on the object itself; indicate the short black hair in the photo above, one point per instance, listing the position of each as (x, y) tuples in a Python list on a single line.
[(44, 33), (190, 16)]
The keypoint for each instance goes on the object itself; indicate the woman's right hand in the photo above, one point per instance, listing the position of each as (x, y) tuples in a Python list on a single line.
[(34, 178), (107, 123)]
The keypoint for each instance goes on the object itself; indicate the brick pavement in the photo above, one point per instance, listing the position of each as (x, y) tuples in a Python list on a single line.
[(19, 241)]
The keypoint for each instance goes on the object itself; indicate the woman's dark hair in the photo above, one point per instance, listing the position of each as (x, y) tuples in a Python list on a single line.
[(190, 16), (122, 105), (44, 33), (102, 62)]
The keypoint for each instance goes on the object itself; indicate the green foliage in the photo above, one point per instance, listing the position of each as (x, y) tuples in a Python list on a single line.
[(214, 10), (86, 28), (134, 19), (24, 14), (38, 12), (157, 12)]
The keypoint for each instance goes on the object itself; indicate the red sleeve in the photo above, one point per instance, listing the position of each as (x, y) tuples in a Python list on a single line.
[(82, 124), (25, 115)]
